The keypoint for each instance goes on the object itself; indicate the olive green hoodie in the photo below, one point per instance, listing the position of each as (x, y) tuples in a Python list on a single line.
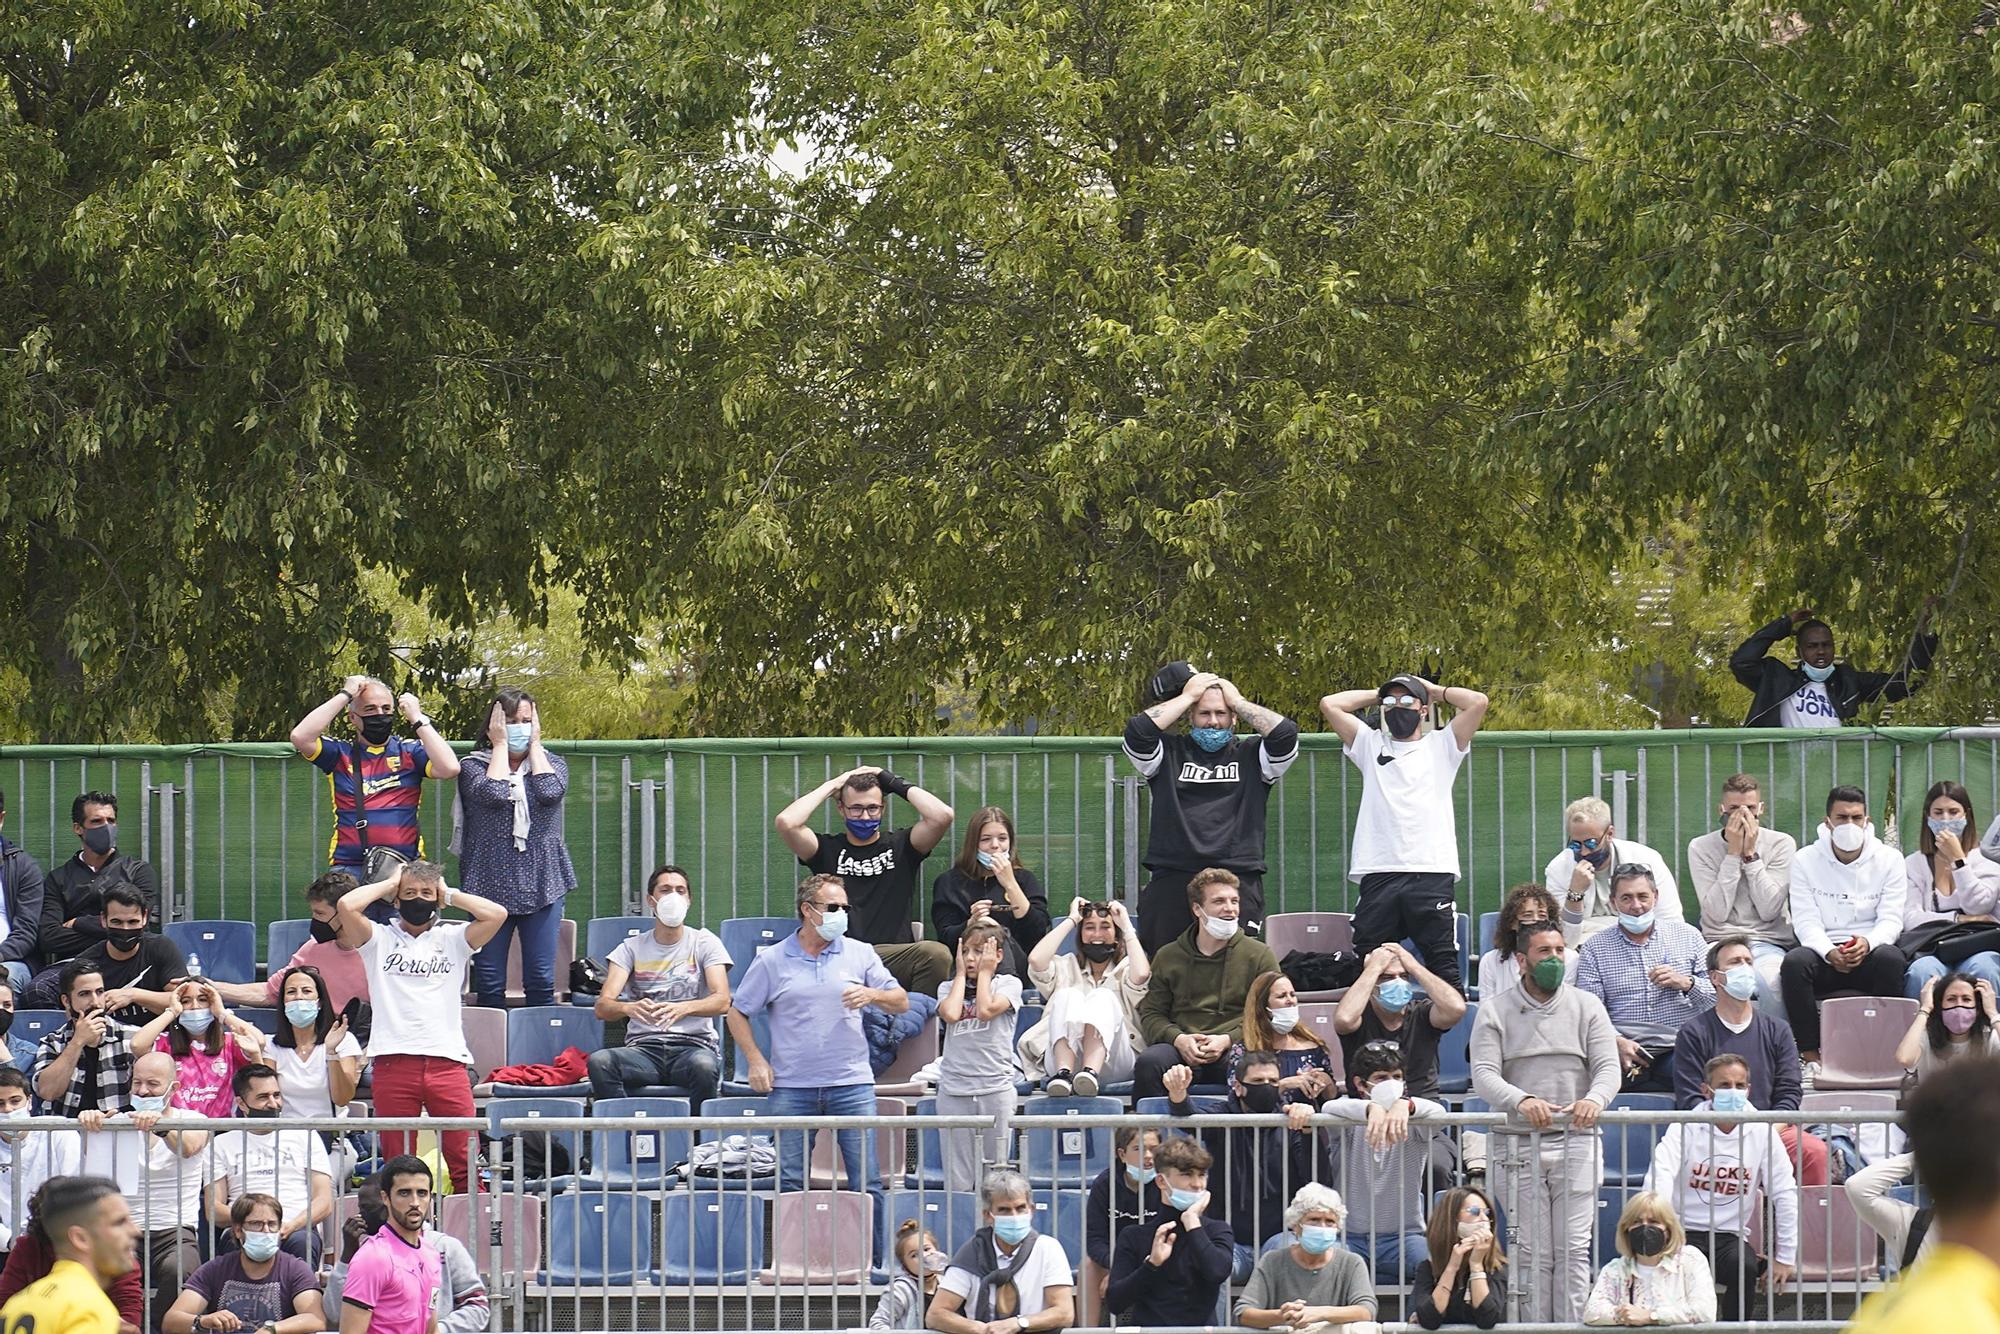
[(1192, 992)]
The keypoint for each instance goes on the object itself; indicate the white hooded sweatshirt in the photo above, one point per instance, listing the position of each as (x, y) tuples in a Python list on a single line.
[(1833, 900)]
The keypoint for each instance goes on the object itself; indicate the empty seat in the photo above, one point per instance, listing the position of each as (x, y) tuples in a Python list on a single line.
[(1060, 1213), (598, 1239), (1312, 932), (1067, 1157), (708, 1237), (637, 1157), (517, 1110), (263, 1020), (1204, 1104), (1455, 1053), (605, 934), (820, 1236), (743, 937), (282, 939), (1858, 1037), (1317, 1018), (227, 950), (748, 1109), (503, 1231), (537, 1034), (485, 1038), (1834, 1244), (1628, 1148), (34, 1025)]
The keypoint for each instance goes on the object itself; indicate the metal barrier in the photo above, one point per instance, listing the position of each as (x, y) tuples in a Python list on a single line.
[(624, 1241)]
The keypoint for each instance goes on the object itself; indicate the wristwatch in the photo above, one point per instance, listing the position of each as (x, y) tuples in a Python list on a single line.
[(423, 721), (1023, 1322)]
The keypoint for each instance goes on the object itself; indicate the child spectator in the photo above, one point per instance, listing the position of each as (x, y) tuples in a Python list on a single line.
[(919, 1262), (976, 1073)]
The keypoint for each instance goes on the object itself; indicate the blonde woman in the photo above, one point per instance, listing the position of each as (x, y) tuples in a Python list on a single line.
[(1271, 1023), (1657, 1279)]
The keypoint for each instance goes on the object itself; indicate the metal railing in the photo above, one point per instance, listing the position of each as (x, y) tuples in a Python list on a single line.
[(624, 1241)]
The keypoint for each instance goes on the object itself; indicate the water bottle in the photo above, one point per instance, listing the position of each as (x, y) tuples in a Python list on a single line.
[(194, 966)]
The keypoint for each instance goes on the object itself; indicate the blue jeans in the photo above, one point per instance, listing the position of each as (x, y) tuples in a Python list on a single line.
[(540, 931), (1392, 1257), (616, 1071), (1922, 970), (857, 1147), (18, 976)]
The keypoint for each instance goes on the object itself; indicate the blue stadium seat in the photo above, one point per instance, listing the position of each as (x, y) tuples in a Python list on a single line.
[(1628, 1149), (743, 937), (282, 940), (1059, 1213), (519, 1109), (1204, 1104), (1066, 1157), (596, 1239), (928, 1169), (228, 950), (1610, 1204), (605, 934), (635, 1157), (709, 1237), (537, 1034), (1026, 1018), (737, 1082), (748, 1109), (951, 1216), (263, 1020), (34, 1025), (1455, 1053)]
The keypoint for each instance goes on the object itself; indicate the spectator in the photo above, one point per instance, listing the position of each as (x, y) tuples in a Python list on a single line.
[(462, 1302), (27, 1158), (1580, 875), (878, 867), (1193, 1010), (1819, 692), (72, 917), (1259, 1162), (1008, 1276), (1954, 890), (22, 889), (1657, 1278), (416, 964), (513, 852), (669, 985), (1405, 856), (86, 1065), (988, 880), (391, 1285), (1765, 1045), (1546, 1050), (1459, 1282), (209, 1045), (1499, 971), (1271, 1023), (1313, 1282), (254, 1285), (1209, 790), (975, 1076), (290, 1164), (1121, 1196), (157, 1167), (1090, 1020), (139, 966), (1955, 1017), (1383, 1004), (1847, 888), (33, 1257), (317, 1059), (342, 969), (16, 1050), (90, 1227), (1742, 875), (1903, 1227), (919, 1264), (395, 770), (1386, 1169), (1712, 1175), (815, 985), (1650, 977), (1172, 1269)]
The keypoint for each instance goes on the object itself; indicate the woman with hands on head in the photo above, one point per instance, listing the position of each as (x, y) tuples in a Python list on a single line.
[(1089, 1034), (1956, 1016), (209, 1045)]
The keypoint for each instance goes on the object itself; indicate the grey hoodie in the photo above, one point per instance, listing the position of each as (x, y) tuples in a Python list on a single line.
[(1558, 1051), (462, 1296)]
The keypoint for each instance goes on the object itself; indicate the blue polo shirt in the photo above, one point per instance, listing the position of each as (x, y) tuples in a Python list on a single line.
[(816, 1042)]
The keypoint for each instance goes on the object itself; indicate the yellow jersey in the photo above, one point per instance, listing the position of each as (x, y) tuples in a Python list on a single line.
[(68, 1301), (1953, 1289)]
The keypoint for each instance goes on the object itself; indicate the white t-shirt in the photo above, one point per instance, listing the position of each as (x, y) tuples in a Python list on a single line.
[(303, 1082), (1047, 1267), (1808, 706), (415, 984), (280, 1163), (25, 1165), (1407, 821), (164, 1188)]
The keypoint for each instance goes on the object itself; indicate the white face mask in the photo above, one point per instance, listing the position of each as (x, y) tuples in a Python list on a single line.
[(1219, 928), (1284, 1019), (1849, 837), (1387, 1093), (672, 909)]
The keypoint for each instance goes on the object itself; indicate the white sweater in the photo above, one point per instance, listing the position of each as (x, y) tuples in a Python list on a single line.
[(1714, 1177), (1975, 890), (1833, 900), (1679, 1290), (1581, 922)]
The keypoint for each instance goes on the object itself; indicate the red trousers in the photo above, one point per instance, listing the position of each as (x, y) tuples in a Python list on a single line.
[(409, 1085)]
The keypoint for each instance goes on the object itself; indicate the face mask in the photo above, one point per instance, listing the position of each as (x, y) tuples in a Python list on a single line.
[(935, 1262), (259, 1246), (1284, 1019), (1395, 994), (1182, 1200), (1548, 974), (1211, 739), (1262, 1098), (324, 932), (1637, 923), (1098, 951), (1220, 928), (101, 839), (1731, 1100), (863, 830), (1402, 723), (1952, 827), (519, 735), (984, 858), (18, 1114), (1958, 1019), (1849, 837), (197, 1021), (142, 1102), (1387, 1093), (302, 1012), (1316, 1240), (261, 1113), (1013, 1228), (124, 940), (672, 909), (416, 911), (376, 727), (6, 1021), (833, 923), (1142, 1175), (1740, 981), (1817, 675), (1647, 1239), (1597, 855)]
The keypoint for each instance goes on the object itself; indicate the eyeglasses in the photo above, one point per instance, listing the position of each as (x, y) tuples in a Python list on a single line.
[(1636, 869), (828, 907), (862, 812)]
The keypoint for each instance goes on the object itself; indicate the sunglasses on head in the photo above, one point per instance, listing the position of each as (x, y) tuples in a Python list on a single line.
[(1096, 909)]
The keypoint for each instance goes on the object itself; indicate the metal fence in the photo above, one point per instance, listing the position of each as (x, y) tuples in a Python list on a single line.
[(236, 830), (627, 1241)]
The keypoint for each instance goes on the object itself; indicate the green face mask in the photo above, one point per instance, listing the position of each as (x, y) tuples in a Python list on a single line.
[(1548, 974)]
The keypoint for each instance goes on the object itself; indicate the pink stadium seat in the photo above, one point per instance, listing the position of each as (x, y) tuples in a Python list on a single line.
[(1314, 932), (503, 1232), (1317, 1018), (485, 1038), (891, 1146), (1858, 1037), (820, 1236), (917, 1051)]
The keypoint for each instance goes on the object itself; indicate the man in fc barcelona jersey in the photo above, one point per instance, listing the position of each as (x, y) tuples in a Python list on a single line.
[(392, 767)]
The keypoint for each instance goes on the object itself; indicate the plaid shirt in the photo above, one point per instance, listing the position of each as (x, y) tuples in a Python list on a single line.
[(102, 1079), (1613, 967)]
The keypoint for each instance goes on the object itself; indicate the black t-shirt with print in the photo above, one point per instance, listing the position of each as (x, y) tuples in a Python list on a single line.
[(881, 881), (1418, 1037)]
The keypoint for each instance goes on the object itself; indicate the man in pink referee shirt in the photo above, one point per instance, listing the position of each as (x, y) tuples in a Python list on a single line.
[(392, 1282)]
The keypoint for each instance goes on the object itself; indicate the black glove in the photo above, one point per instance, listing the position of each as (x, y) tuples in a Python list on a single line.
[(894, 786)]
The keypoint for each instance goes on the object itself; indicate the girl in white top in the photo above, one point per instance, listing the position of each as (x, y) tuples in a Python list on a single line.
[(1089, 1034), (1526, 903), (318, 1061), (1657, 1279), (1951, 880)]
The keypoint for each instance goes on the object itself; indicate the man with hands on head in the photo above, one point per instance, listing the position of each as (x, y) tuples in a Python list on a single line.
[(1209, 788), (1383, 1005), (393, 768), (1193, 1007), (1819, 692)]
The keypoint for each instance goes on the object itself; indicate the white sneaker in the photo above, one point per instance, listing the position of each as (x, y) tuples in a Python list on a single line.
[(1808, 1072), (1086, 1084)]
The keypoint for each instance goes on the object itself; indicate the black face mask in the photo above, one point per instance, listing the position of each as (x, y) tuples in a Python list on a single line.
[(324, 932), (376, 727), (6, 1021), (262, 1113), (1402, 723), (1262, 1098), (416, 911), (1647, 1239), (124, 940), (1098, 951)]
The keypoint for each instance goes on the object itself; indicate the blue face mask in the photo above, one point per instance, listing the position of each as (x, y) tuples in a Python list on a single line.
[(1953, 827), (1395, 994), (863, 830), (197, 1021), (833, 923), (984, 858), (143, 1103), (1731, 1100), (1318, 1240), (1182, 1199), (1817, 675), (1740, 981), (1142, 1175), (302, 1012), (1013, 1228), (1211, 739), (259, 1246), (519, 735), (1637, 923)]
